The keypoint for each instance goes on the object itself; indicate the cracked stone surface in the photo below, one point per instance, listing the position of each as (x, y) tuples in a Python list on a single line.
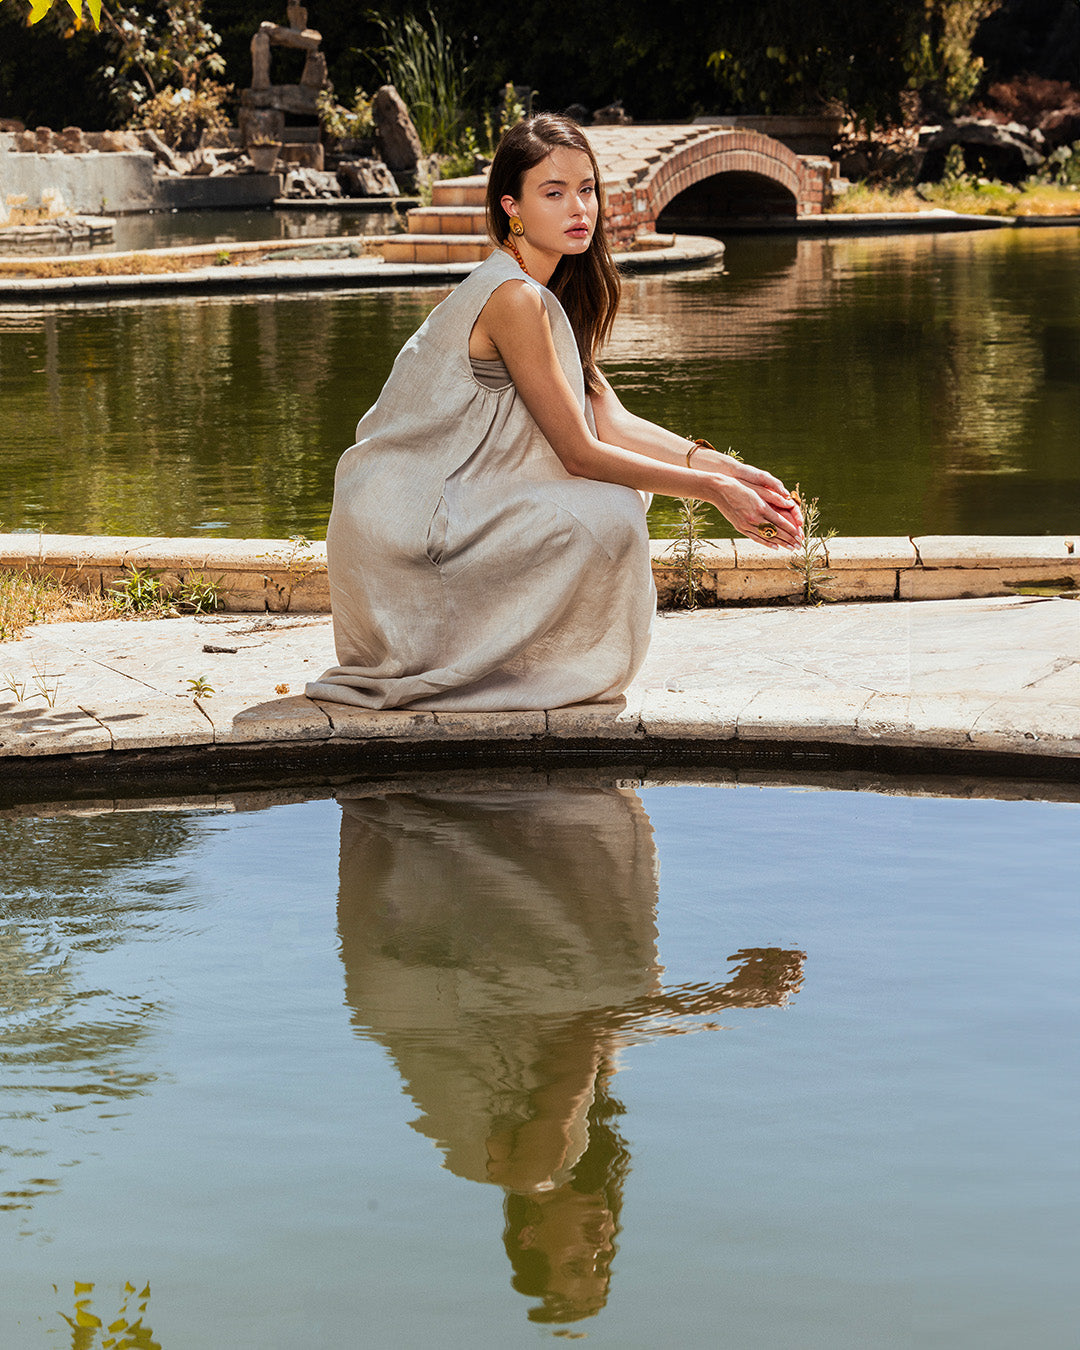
[(998, 674)]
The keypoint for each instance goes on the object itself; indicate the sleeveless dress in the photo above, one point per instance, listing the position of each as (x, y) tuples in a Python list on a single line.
[(468, 570)]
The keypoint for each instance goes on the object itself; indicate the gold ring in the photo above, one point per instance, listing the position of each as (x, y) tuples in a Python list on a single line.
[(766, 530)]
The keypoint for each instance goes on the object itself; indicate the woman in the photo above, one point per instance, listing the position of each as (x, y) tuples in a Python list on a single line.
[(487, 547)]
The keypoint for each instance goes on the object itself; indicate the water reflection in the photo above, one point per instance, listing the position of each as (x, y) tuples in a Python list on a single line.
[(68, 1043), (502, 947), (918, 384)]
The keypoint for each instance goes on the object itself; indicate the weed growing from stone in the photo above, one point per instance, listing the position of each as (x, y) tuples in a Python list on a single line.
[(138, 592), (299, 562), (810, 560), (142, 593), (199, 595), (687, 551), (40, 680), (199, 688)]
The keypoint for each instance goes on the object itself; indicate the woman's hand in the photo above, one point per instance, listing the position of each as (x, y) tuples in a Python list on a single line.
[(748, 508)]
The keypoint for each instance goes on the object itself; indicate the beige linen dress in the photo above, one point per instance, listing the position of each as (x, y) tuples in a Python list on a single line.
[(468, 569)]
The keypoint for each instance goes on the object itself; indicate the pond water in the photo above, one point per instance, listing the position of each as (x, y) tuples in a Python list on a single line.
[(171, 229), (472, 1065), (914, 384)]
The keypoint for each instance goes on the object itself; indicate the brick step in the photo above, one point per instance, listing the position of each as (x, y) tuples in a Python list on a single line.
[(436, 248), (459, 191), (447, 220)]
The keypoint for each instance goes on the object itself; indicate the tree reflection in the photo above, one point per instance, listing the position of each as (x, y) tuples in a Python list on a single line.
[(68, 893), (502, 946)]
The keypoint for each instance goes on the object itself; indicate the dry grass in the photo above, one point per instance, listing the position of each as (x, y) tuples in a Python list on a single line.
[(25, 599), (968, 196), (107, 265)]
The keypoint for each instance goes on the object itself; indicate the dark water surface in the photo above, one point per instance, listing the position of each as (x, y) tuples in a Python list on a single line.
[(416, 1068), (914, 384), (170, 229)]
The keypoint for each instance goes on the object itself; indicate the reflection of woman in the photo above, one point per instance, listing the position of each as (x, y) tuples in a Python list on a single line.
[(486, 548), (502, 946)]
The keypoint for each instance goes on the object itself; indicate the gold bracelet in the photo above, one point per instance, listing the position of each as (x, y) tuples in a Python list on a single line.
[(699, 443)]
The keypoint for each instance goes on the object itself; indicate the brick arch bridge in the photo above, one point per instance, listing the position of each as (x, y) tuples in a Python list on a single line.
[(702, 172), (685, 174)]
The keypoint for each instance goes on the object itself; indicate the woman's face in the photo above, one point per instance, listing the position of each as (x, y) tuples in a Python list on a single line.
[(557, 204)]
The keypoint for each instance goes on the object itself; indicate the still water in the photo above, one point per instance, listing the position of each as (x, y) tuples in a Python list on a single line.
[(172, 229), (914, 384), (475, 1065)]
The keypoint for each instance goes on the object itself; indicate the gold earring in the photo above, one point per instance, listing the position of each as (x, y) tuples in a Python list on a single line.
[(516, 226)]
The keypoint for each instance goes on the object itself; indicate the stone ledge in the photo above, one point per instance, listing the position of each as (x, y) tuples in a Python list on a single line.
[(282, 575)]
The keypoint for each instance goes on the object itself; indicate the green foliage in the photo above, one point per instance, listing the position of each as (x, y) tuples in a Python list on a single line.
[(1062, 167), (687, 551), (161, 75), (141, 592), (429, 71), (199, 688), (138, 592), (811, 560), (943, 67), (180, 116), (343, 122), (199, 595)]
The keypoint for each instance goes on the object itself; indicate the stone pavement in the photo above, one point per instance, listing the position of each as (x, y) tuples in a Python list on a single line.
[(251, 272), (968, 677)]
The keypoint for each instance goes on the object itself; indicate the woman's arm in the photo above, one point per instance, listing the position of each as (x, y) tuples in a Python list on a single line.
[(615, 424), (515, 322)]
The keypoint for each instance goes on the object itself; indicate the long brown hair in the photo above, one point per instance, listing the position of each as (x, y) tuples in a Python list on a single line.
[(587, 284)]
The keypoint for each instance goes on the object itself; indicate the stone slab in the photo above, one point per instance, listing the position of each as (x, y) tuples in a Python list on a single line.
[(238, 721), (481, 726), (618, 720), (152, 723), (873, 551), (867, 583), (363, 724), (966, 550), (31, 728), (947, 583), (674, 715), (1028, 724), (787, 714)]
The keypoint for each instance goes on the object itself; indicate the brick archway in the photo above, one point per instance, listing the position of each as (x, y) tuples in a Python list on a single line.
[(645, 168)]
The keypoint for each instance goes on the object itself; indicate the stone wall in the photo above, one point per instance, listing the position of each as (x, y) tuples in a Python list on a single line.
[(90, 184)]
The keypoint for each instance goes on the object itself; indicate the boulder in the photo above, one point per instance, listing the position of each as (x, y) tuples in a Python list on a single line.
[(366, 178), (614, 115), (1008, 152), (311, 183), (163, 155), (395, 134), (1061, 127)]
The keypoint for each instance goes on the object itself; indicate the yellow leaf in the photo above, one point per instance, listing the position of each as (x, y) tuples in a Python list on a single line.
[(38, 9), (119, 1325), (146, 1292), (84, 1288), (86, 1319), (94, 6), (76, 7), (128, 1288)]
